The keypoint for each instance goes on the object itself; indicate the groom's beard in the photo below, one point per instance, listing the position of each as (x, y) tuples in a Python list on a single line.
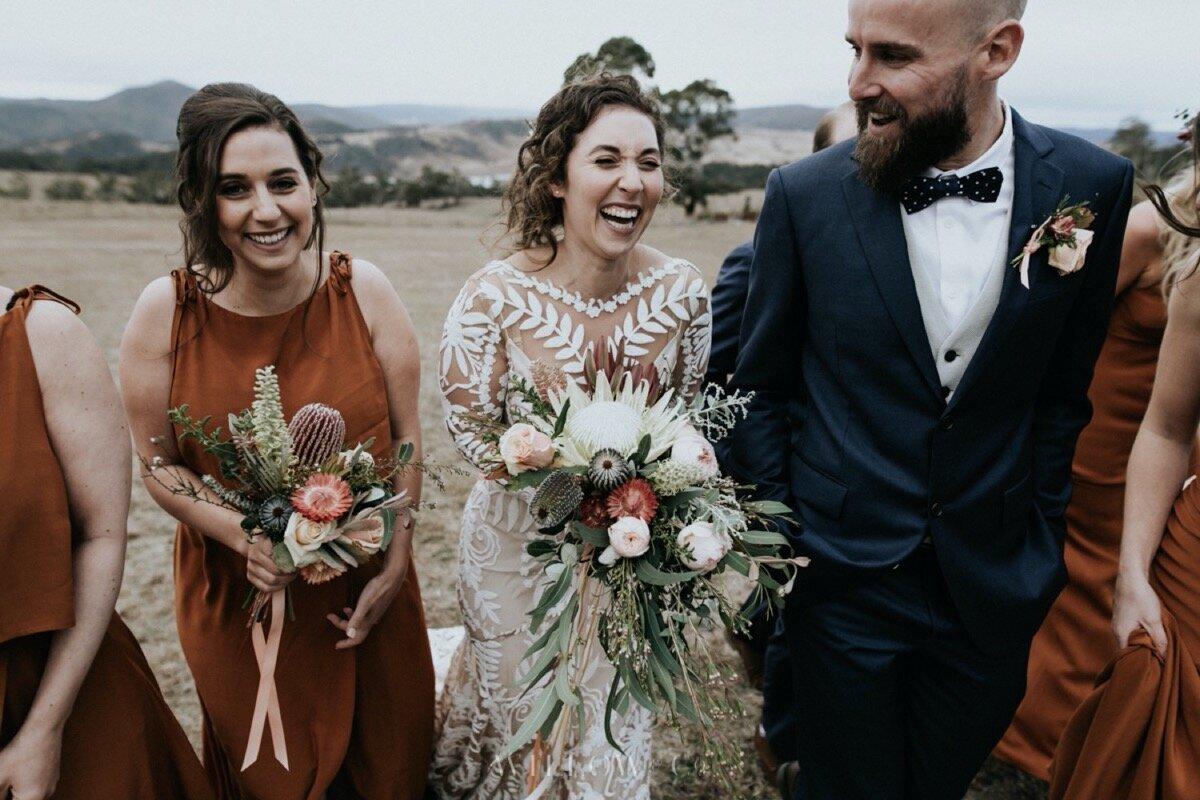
[(886, 164)]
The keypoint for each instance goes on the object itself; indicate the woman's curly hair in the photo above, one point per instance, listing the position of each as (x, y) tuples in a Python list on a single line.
[(534, 214), (206, 121)]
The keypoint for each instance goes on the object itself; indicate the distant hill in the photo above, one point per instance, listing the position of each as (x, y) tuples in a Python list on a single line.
[(791, 118)]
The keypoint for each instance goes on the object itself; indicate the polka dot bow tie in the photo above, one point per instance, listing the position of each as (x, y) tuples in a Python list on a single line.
[(982, 186)]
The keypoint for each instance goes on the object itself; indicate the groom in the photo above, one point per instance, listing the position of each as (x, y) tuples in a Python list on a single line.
[(917, 398)]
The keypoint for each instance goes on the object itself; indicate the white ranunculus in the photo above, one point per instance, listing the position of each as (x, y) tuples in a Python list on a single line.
[(703, 546), (304, 537), (694, 450), (629, 537), (1067, 259)]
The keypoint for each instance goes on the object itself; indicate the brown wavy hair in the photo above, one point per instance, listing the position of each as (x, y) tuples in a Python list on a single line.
[(534, 214), (206, 121)]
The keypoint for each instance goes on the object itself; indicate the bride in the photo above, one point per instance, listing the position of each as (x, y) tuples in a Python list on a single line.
[(592, 169)]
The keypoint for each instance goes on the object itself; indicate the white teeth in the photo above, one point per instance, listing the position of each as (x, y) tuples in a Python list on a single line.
[(274, 238), (620, 212)]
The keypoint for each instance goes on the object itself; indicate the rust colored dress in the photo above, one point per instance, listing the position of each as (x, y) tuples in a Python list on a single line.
[(1076, 641), (121, 741), (1137, 736), (358, 722)]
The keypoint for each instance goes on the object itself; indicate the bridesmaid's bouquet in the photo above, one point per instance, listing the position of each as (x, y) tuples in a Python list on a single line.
[(637, 525), (325, 507)]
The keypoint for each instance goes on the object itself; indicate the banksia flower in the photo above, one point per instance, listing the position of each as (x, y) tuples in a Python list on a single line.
[(547, 378), (635, 498), (273, 516), (323, 497), (555, 500), (608, 470), (317, 433)]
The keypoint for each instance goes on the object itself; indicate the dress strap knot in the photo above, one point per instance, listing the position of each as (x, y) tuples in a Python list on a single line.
[(340, 270), (25, 296), (186, 288)]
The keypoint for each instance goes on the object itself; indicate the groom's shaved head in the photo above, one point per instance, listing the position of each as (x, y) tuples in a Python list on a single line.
[(980, 16)]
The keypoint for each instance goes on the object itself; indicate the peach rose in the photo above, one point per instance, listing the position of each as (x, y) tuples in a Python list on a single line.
[(1063, 226), (303, 538), (366, 535), (1069, 258), (524, 448)]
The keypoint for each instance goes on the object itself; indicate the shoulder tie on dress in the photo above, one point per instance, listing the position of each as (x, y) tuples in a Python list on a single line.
[(38, 292), (340, 271)]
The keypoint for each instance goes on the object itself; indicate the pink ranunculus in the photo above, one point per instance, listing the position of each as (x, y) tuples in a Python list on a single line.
[(703, 546), (629, 537), (524, 448)]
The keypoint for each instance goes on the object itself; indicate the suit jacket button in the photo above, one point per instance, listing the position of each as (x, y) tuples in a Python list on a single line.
[(946, 424), (936, 509)]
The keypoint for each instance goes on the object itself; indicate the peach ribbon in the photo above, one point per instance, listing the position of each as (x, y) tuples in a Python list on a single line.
[(266, 704)]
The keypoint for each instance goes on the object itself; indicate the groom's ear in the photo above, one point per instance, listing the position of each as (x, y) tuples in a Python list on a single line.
[(1000, 49)]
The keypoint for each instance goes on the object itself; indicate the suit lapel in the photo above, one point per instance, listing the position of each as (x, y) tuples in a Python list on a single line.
[(1037, 193), (881, 233)]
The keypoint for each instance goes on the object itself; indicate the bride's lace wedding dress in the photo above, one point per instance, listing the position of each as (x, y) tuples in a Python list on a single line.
[(503, 323)]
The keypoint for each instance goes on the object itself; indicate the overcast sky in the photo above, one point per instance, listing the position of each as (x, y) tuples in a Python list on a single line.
[(1084, 63)]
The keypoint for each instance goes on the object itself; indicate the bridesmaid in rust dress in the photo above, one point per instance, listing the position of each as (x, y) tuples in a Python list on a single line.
[(81, 715), (1137, 735), (354, 675), (1075, 642)]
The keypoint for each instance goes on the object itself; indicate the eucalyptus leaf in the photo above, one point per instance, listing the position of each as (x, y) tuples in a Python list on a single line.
[(653, 575)]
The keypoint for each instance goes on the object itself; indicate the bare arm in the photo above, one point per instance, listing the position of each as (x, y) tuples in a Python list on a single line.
[(146, 354), (394, 340), (88, 434), (1158, 464)]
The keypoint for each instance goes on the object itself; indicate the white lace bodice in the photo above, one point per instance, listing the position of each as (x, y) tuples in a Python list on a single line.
[(504, 320)]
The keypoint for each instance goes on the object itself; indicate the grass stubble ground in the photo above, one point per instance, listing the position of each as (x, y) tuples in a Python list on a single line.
[(102, 255)]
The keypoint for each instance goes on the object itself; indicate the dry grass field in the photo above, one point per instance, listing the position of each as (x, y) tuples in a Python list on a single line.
[(103, 254)]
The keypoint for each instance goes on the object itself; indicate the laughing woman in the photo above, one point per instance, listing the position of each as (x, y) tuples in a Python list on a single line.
[(82, 716), (354, 675), (587, 183)]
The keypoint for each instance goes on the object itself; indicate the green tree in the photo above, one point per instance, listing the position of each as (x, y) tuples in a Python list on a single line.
[(695, 116), (619, 54), (150, 186), (67, 189), (16, 187), (1134, 140)]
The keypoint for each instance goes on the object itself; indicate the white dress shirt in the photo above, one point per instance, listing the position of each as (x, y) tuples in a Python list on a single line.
[(955, 240)]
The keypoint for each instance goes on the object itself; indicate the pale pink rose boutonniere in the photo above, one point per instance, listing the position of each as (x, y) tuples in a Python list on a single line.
[(1067, 233)]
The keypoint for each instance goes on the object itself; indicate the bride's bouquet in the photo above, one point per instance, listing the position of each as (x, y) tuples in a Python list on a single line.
[(637, 525)]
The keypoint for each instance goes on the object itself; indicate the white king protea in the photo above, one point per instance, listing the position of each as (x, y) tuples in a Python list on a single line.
[(615, 419)]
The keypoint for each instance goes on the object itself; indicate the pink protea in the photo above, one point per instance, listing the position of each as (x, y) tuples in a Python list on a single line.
[(319, 572), (317, 432), (322, 498), (633, 498)]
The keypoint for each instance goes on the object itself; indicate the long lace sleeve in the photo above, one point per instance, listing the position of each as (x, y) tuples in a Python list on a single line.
[(695, 342), (472, 371)]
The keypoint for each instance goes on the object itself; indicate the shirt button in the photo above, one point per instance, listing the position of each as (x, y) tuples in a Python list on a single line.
[(951, 355)]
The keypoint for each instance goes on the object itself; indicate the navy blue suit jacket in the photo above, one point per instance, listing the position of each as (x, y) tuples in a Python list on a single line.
[(849, 425), (728, 302)]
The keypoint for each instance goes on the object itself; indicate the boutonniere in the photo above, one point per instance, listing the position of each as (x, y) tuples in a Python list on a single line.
[(1066, 232)]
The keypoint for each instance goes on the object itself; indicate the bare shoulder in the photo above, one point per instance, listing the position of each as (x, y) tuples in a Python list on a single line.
[(149, 330), (58, 338), (1144, 223)]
